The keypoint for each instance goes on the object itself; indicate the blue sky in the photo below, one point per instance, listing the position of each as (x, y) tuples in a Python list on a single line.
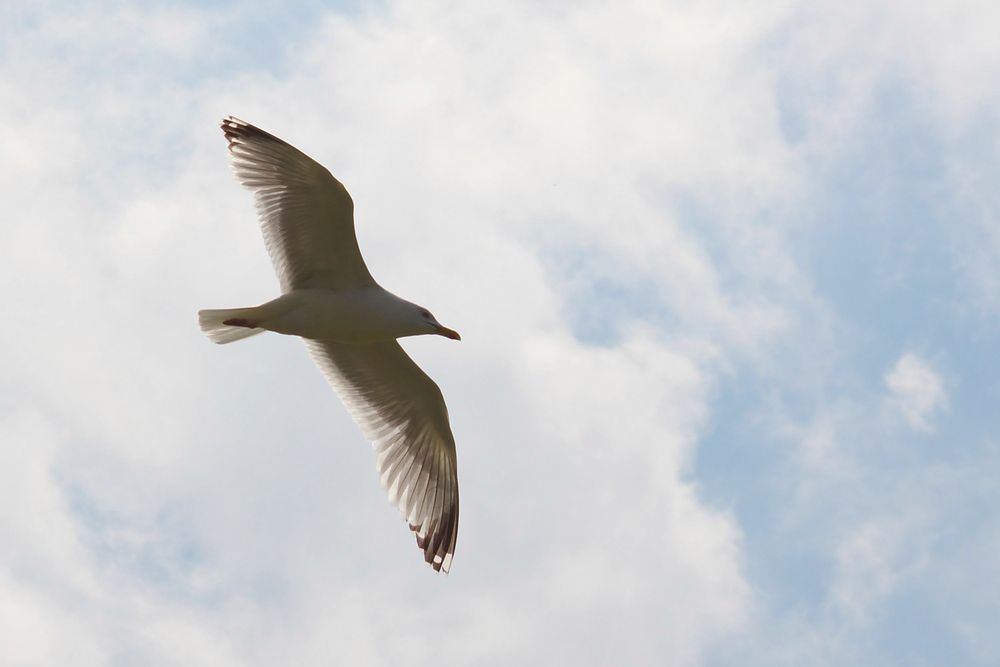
[(727, 283)]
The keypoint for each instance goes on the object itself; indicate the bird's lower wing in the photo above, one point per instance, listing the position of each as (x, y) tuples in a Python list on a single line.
[(401, 410)]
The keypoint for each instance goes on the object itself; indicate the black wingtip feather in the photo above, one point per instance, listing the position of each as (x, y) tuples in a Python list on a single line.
[(238, 131), (439, 541)]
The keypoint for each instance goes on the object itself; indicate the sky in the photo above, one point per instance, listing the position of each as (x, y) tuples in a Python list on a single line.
[(727, 279)]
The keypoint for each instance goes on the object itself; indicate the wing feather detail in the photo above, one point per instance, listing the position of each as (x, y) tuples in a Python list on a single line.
[(306, 215), (401, 410)]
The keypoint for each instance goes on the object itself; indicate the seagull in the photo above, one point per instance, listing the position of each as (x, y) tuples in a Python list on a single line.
[(350, 326)]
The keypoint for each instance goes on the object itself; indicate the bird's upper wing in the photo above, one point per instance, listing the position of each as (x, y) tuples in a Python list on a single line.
[(401, 410), (306, 214)]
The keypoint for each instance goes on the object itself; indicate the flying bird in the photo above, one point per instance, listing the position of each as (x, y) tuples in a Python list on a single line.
[(350, 326)]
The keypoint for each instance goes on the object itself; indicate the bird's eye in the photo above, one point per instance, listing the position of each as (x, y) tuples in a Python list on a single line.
[(424, 313)]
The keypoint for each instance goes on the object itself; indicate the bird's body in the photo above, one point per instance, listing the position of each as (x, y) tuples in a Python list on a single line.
[(350, 325), (359, 315)]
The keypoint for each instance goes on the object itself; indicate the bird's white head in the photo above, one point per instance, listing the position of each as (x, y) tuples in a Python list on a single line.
[(430, 325)]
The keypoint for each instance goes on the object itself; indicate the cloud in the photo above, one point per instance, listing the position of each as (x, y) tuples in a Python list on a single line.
[(871, 560), (916, 391), (618, 207), (205, 493)]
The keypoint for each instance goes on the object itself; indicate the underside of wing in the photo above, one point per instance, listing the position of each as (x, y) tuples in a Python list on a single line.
[(306, 215), (401, 410)]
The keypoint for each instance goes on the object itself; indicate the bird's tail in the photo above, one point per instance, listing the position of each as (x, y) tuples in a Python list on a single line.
[(229, 324)]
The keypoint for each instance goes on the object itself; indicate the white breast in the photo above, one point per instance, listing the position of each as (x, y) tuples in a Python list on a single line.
[(363, 315)]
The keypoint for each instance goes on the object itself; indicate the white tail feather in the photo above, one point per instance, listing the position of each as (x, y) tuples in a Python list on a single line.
[(211, 323)]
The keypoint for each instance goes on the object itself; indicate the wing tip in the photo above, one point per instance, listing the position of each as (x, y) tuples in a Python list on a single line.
[(238, 131), (234, 129), (438, 541)]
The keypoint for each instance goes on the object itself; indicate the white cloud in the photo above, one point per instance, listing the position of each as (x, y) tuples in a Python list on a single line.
[(916, 391), (871, 561), (181, 503), (196, 517)]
